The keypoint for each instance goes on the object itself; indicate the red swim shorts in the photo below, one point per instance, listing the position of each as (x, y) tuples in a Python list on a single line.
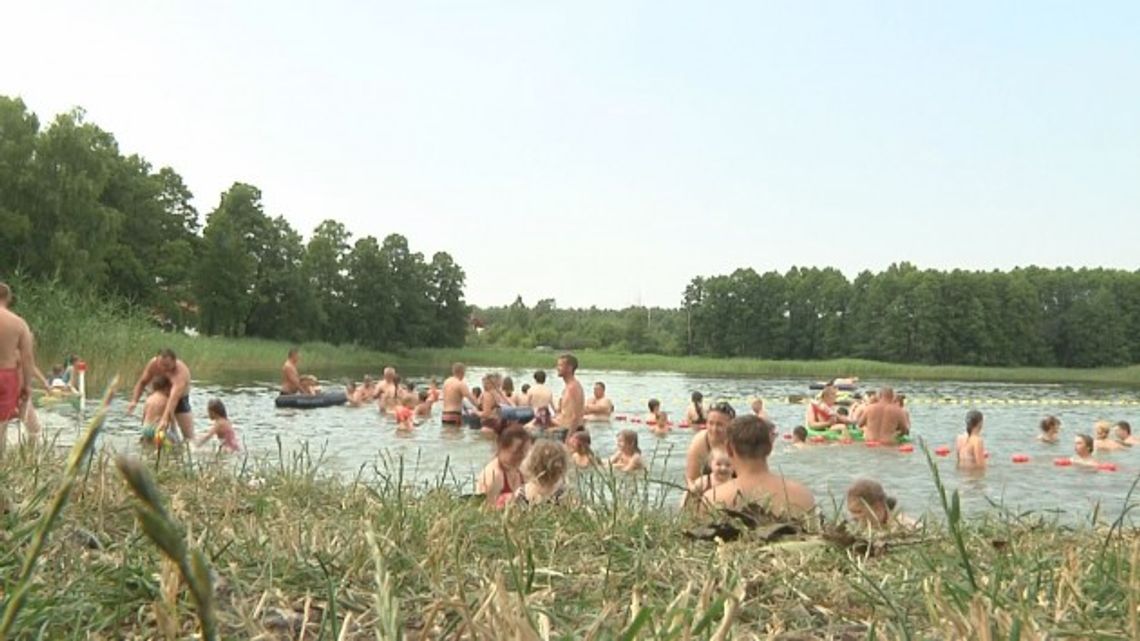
[(9, 393)]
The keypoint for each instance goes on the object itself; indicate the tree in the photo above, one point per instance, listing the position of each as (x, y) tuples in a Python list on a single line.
[(326, 273), (451, 312)]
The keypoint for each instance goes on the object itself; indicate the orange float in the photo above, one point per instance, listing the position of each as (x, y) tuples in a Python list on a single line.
[(1106, 467), (1062, 462), (1020, 458), (871, 443), (942, 450), (906, 448)]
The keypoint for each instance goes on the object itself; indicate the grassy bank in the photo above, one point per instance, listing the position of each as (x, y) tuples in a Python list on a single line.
[(299, 555), (520, 358)]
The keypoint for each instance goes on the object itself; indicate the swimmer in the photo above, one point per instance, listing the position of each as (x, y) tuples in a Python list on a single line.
[(572, 406), (599, 408), (1050, 430), (220, 427), (388, 390), (862, 403), (822, 415), (799, 437), (749, 443), (697, 414), (1124, 434), (291, 381), (1083, 450), (455, 392), (178, 408), (423, 408), (627, 458), (721, 473), (510, 397), (502, 476), (541, 400), (870, 507), (885, 420), (705, 441), (758, 409), (490, 407), (654, 417), (1103, 442), (971, 448), (544, 469), (581, 454), (404, 416)]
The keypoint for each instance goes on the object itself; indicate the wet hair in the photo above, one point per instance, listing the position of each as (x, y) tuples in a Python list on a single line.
[(973, 420), (1050, 423), (546, 463), (601, 385), (698, 405), (161, 383), (509, 382), (871, 493), (1124, 425), (654, 405), (540, 377), (525, 388), (571, 360), (629, 437), (800, 433), (508, 437), (750, 437), (1088, 441), (293, 351), (1102, 429), (216, 408), (723, 407), (169, 353)]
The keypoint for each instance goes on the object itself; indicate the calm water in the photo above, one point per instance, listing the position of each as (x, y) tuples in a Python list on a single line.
[(353, 437)]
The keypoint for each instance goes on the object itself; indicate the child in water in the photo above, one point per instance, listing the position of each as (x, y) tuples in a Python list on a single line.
[(423, 410), (220, 427), (870, 506), (1083, 448), (721, 473), (579, 447), (799, 437), (153, 410), (971, 448), (404, 416), (628, 455), (544, 469), (1050, 430)]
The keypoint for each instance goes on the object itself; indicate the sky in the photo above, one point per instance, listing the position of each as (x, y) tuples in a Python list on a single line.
[(605, 153)]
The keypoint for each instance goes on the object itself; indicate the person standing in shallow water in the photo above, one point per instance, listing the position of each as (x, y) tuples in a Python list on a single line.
[(572, 407), (178, 408), (971, 448)]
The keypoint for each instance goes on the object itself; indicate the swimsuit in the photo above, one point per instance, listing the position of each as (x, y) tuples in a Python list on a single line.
[(821, 413), (451, 418), (506, 493), (183, 406), (9, 393)]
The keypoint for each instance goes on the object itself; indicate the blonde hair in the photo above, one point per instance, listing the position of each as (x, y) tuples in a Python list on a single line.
[(1102, 428), (629, 437), (546, 463)]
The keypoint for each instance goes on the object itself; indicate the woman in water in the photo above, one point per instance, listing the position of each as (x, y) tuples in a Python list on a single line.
[(627, 458), (971, 448), (870, 507), (502, 476), (696, 414), (823, 415), (657, 420), (1104, 441), (705, 441), (1050, 430), (220, 427), (1083, 449), (490, 407), (581, 453), (545, 469)]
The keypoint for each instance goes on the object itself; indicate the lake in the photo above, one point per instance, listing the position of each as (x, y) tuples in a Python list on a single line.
[(352, 437)]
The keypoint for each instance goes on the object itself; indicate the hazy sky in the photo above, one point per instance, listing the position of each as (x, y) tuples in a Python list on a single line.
[(605, 153)]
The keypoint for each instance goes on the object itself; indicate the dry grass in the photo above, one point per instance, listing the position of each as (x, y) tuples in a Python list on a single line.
[(297, 554)]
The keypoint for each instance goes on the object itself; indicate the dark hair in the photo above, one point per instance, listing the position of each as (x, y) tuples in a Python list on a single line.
[(973, 420), (1088, 441), (871, 493), (169, 353), (800, 432), (750, 437), (601, 385), (654, 405), (842, 411), (1049, 422), (293, 351), (512, 435), (215, 407), (1124, 425), (571, 360), (476, 391), (525, 388), (723, 407), (5, 292), (509, 382), (540, 377), (423, 395), (583, 437), (161, 384), (698, 405)]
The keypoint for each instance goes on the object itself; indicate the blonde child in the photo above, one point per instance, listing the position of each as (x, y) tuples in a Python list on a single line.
[(544, 469), (721, 473), (628, 455), (220, 427), (581, 453), (153, 409)]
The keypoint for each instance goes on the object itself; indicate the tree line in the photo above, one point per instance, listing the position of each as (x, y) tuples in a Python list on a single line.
[(1024, 317), (76, 211)]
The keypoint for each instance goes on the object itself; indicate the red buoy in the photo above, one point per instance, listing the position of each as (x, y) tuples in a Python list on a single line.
[(683, 424), (1106, 467), (1062, 462), (906, 448), (817, 439), (787, 437), (871, 443), (942, 450), (1020, 458)]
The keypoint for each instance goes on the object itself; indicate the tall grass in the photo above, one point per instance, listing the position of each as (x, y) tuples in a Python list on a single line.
[(300, 554)]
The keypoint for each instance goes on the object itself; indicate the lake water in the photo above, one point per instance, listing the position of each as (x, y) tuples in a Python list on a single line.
[(352, 437)]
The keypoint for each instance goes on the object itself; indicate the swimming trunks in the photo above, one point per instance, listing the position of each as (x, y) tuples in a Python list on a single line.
[(183, 406), (148, 432), (9, 393), (451, 418)]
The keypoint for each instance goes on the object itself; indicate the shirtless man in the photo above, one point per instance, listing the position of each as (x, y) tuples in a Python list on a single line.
[(599, 408), (541, 400), (884, 420), (572, 407), (291, 381), (178, 407), (388, 391), (17, 363), (454, 391), (748, 445)]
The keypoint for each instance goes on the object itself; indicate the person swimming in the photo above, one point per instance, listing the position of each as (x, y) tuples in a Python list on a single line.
[(697, 413), (153, 409), (1103, 441), (1083, 451), (749, 444), (627, 458), (1050, 429), (1124, 434), (721, 473), (544, 469), (220, 427), (799, 436), (971, 448), (822, 414), (581, 454)]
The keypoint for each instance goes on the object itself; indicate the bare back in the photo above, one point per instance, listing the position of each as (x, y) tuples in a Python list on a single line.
[(540, 396), (454, 391), (773, 492), (883, 421), (13, 334), (153, 408)]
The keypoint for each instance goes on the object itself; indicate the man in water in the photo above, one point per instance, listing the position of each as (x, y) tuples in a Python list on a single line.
[(454, 391), (291, 380), (17, 363), (884, 420), (541, 400), (599, 408), (572, 407), (178, 407), (748, 445), (388, 391)]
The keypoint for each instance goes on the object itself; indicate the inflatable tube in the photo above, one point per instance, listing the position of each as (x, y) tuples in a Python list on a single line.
[(517, 414), (853, 434), (842, 387), (311, 401)]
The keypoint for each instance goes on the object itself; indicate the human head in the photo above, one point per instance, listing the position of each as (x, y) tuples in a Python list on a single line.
[(599, 390), (546, 464), (512, 445), (567, 365), (627, 442), (1102, 429), (829, 394), (161, 384), (216, 409), (872, 397), (868, 503), (886, 394), (540, 377), (716, 424), (508, 385), (697, 398), (973, 422), (56, 370), (367, 379), (580, 442), (423, 396), (1050, 425), (168, 360), (654, 405), (525, 388), (720, 463), (389, 374), (799, 433), (749, 438), (901, 400), (1083, 445), (294, 355), (476, 392), (1123, 430), (757, 406), (458, 370)]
